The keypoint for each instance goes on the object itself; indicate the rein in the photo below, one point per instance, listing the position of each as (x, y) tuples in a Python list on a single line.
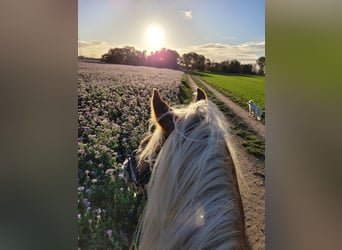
[(132, 174), (130, 168)]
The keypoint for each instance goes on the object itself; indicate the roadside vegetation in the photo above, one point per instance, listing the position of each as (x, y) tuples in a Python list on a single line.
[(185, 95)]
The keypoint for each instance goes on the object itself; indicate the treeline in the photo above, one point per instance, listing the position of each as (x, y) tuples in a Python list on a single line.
[(166, 58)]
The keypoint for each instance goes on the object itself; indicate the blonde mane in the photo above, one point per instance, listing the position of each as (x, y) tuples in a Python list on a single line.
[(193, 196)]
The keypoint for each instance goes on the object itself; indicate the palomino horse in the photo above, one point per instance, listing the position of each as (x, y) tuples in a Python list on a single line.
[(190, 177)]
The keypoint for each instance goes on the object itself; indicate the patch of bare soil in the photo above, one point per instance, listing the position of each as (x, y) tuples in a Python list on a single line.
[(252, 170)]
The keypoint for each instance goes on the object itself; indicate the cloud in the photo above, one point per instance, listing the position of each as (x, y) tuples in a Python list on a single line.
[(255, 45), (212, 46), (86, 44), (187, 14), (92, 48), (247, 52)]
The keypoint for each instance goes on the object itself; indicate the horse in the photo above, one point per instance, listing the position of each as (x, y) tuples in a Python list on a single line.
[(187, 169)]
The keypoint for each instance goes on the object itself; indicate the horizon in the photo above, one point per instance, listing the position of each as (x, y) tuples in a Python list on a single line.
[(219, 30)]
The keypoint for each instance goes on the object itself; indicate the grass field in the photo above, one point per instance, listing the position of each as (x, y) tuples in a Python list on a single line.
[(239, 88)]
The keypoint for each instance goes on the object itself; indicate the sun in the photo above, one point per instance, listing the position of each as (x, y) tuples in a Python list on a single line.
[(154, 37)]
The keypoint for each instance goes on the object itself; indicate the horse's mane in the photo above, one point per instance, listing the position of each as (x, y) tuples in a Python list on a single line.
[(192, 193)]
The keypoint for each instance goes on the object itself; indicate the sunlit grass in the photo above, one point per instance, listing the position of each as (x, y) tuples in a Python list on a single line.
[(239, 88)]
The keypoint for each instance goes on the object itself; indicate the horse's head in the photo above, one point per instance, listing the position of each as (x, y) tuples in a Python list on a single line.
[(193, 194), (138, 167)]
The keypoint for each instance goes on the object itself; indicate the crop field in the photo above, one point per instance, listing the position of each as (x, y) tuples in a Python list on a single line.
[(239, 88), (113, 117)]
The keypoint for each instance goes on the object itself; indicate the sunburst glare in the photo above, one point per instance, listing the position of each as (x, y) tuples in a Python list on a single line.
[(154, 38)]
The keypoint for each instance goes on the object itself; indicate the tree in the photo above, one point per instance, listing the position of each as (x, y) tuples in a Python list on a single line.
[(200, 63), (225, 66), (171, 59), (193, 61), (261, 63), (164, 58), (247, 69), (235, 66), (186, 61), (207, 64), (215, 67), (113, 56)]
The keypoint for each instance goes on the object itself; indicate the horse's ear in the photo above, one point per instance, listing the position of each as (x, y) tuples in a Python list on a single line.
[(161, 112), (201, 95)]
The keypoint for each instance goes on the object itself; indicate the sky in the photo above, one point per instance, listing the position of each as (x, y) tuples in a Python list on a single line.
[(218, 29)]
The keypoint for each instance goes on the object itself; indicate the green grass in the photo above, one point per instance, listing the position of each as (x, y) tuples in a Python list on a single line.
[(185, 93), (239, 88)]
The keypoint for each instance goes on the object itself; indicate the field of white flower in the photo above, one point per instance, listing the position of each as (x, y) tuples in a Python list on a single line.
[(113, 114)]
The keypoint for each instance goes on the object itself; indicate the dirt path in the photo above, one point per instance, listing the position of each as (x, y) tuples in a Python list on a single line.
[(253, 171)]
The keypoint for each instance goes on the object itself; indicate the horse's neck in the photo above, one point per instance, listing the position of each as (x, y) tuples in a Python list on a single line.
[(159, 203), (238, 200)]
